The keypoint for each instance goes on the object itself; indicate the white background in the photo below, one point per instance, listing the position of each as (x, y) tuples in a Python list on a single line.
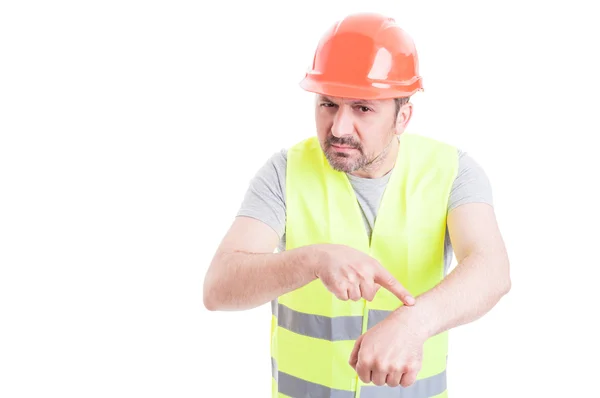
[(129, 133)]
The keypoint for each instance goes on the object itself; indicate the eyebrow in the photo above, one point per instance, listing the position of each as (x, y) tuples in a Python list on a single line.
[(354, 102)]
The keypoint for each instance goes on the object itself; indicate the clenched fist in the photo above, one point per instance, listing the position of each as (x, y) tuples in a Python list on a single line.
[(391, 352), (351, 274)]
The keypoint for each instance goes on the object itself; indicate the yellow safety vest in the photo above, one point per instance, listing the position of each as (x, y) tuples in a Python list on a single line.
[(312, 331)]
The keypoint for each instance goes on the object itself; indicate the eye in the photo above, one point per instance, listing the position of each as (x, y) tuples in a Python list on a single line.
[(364, 109), (327, 104)]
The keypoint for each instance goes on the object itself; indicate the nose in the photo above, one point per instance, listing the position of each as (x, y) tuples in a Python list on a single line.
[(343, 124)]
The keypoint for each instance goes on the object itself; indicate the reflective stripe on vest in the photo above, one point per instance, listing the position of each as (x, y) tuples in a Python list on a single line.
[(295, 387), (312, 331), (323, 327)]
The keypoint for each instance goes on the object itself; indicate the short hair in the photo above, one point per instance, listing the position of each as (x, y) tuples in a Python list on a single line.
[(399, 102)]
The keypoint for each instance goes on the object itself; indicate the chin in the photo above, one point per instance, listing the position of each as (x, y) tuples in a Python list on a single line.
[(341, 163)]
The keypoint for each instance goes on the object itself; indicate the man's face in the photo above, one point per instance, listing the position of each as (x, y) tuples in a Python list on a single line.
[(355, 134)]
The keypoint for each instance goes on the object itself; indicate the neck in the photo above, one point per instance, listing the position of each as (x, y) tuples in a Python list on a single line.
[(384, 164)]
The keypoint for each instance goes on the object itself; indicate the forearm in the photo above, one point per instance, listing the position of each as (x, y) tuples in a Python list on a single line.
[(467, 293), (247, 280)]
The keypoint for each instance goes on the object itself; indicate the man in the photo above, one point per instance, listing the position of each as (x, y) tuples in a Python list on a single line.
[(366, 218)]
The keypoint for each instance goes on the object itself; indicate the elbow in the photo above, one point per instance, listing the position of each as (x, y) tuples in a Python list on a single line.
[(507, 283), (209, 302), (499, 282), (212, 302), (209, 296), (210, 292), (507, 286)]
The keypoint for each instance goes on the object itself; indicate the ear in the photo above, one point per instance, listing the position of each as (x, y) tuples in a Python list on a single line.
[(403, 118)]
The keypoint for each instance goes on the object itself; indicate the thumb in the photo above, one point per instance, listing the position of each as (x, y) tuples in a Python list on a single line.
[(354, 354), (387, 280)]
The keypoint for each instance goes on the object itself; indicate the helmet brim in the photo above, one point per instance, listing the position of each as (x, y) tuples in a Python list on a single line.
[(373, 92)]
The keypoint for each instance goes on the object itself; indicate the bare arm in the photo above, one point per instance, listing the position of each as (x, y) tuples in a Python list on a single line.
[(479, 280), (245, 273)]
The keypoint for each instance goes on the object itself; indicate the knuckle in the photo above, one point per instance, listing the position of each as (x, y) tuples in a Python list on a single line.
[(379, 366), (407, 382), (363, 374), (367, 361), (393, 382)]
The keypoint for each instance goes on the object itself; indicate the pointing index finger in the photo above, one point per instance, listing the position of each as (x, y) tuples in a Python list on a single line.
[(387, 280)]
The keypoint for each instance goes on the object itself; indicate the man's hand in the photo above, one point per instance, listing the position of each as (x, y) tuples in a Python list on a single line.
[(390, 353), (351, 274)]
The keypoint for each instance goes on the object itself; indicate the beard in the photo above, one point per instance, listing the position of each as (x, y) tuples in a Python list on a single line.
[(344, 161), (353, 160)]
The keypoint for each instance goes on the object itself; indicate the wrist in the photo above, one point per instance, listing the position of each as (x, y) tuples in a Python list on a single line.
[(415, 319), (309, 258)]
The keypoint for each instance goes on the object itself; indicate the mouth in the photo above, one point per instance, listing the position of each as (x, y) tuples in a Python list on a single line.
[(342, 148)]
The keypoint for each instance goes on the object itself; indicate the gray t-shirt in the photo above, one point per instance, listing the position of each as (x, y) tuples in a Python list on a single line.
[(265, 198)]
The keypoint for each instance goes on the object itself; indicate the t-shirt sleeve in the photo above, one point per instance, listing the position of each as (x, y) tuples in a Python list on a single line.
[(471, 183), (265, 197)]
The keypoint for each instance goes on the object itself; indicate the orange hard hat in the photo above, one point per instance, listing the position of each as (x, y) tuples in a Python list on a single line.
[(365, 56)]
